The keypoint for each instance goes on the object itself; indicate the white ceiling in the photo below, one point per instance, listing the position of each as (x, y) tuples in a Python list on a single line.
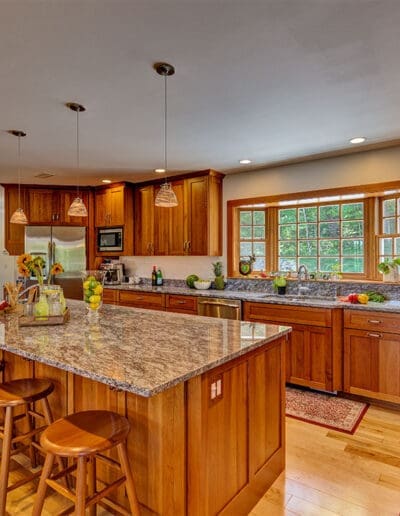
[(265, 80)]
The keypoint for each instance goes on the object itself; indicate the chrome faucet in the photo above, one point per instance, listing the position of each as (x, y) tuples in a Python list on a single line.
[(302, 273)]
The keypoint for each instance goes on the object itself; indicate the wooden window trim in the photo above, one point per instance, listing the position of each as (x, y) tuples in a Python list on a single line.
[(372, 219)]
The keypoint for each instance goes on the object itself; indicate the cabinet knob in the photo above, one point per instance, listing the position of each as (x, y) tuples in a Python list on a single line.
[(375, 335), (374, 321)]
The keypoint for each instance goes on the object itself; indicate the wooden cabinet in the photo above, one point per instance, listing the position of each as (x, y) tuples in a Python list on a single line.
[(181, 304), (49, 206), (314, 350), (194, 227), (110, 205), (372, 354), (114, 208), (149, 300), (14, 233), (237, 429), (110, 296)]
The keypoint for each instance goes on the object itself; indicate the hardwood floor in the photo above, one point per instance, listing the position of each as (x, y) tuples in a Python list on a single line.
[(332, 473), (327, 473)]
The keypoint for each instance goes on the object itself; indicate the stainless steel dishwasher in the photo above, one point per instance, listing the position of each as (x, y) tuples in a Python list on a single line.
[(217, 307)]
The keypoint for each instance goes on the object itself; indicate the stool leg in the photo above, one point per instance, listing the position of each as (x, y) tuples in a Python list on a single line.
[(5, 458), (81, 487), (32, 451), (92, 483), (41, 492), (130, 485), (48, 417)]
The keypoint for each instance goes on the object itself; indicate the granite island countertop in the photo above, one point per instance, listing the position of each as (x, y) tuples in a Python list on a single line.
[(136, 350), (391, 306)]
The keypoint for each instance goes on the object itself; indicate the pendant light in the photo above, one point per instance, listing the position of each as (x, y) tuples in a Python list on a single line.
[(165, 197), (77, 208), (19, 217)]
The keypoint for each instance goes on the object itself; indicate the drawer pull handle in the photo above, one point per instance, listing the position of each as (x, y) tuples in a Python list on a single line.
[(376, 335), (181, 302), (374, 321)]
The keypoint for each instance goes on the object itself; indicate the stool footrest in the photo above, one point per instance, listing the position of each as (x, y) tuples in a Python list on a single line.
[(23, 481), (61, 489), (107, 503)]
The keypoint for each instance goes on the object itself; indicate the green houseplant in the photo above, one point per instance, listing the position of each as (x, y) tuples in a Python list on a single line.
[(279, 284), (389, 269), (219, 280)]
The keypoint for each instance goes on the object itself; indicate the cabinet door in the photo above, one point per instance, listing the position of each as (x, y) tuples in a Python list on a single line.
[(66, 198), (176, 230), (14, 233), (43, 206), (161, 229), (101, 208), (372, 364), (116, 205), (197, 223), (144, 217), (110, 296), (58, 398)]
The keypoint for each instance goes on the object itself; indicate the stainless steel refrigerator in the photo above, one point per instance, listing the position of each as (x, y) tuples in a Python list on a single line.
[(63, 244)]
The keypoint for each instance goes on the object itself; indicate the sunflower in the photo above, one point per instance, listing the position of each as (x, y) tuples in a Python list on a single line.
[(23, 270), (23, 259), (57, 268)]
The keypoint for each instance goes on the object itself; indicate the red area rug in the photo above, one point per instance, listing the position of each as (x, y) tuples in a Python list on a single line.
[(325, 409)]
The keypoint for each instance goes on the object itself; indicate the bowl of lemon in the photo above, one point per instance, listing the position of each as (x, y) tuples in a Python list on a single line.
[(93, 291)]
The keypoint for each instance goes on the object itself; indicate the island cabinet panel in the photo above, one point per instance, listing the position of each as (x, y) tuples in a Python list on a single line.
[(150, 300), (58, 398), (236, 427), (372, 358), (182, 304), (156, 446), (314, 350)]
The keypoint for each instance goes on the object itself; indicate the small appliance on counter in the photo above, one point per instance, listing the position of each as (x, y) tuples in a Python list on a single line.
[(114, 272)]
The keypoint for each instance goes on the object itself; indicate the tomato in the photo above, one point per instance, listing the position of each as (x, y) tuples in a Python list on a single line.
[(353, 298)]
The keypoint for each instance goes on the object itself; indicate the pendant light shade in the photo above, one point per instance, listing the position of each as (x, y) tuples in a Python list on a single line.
[(77, 208), (19, 217), (165, 197)]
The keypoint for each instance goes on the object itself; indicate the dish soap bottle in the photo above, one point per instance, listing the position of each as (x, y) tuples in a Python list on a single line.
[(159, 278), (41, 308), (154, 276)]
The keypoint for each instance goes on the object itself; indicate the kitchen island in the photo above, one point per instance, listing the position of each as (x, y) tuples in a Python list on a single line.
[(205, 398)]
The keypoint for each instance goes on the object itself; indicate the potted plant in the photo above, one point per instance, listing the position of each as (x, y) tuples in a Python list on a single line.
[(219, 280), (280, 284), (389, 269)]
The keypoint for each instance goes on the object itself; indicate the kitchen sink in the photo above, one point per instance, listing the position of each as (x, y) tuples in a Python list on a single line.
[(298, 297)]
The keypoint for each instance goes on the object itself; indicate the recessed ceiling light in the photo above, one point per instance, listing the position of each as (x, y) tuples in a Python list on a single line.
[(245, 161), (106, 181), (159, 170), (358, 139)]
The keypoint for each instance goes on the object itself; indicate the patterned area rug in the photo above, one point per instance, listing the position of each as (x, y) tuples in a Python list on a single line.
[(325, 409)]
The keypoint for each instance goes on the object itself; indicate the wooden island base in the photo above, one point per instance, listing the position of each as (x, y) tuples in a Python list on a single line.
[(191, 454)]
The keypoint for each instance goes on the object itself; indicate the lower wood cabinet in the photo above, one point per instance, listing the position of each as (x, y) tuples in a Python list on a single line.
[(314, 351), (111, 296), (148, 300), (181, 304), (372, 355)]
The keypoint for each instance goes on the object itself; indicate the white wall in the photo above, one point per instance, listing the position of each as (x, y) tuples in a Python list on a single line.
[(361, 168)]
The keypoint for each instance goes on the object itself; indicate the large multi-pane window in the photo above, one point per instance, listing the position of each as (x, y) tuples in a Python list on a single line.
[(323, 237), (389, 240), (252, 237)]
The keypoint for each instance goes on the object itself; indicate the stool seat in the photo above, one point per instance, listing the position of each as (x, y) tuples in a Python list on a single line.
[(85, 433), (26, 390)]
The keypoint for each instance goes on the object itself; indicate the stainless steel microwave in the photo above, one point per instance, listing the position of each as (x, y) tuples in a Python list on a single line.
[(110, 239)]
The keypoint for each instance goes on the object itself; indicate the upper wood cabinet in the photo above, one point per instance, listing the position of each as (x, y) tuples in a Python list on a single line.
[(14, 233), (49, 206), (110, 205), (194, 227), (114, 207)]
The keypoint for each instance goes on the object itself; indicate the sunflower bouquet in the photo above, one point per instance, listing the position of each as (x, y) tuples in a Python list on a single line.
[(29, 265)]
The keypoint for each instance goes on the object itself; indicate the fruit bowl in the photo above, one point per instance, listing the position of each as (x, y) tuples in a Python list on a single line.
[(202, 284)]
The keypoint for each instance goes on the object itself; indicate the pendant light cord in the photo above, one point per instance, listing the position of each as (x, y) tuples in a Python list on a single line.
[(165, 126), (19, 171), (77, 152)]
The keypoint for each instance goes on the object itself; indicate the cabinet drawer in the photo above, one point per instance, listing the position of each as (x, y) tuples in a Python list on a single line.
[(110, 296), (285, 314), (142, 299), (373, 321), (177, 303)]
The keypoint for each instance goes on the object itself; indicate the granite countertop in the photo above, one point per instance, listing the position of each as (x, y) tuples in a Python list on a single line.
[(263, 297), (139, 351)]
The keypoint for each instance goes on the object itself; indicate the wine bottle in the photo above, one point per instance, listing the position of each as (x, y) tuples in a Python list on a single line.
[(154, 276), (159, 278)]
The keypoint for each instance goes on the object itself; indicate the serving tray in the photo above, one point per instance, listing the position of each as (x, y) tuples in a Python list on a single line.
[(51, 320)]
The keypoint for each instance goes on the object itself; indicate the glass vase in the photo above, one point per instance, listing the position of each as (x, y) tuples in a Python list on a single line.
[(93, 282)]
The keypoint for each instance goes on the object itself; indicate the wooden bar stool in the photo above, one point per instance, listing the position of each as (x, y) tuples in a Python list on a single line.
[(17, 393), (83, 436)]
